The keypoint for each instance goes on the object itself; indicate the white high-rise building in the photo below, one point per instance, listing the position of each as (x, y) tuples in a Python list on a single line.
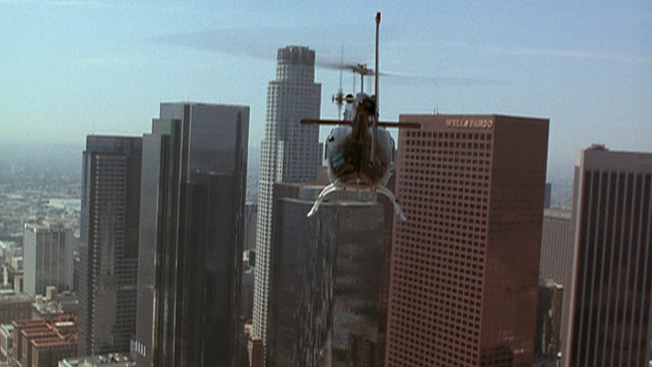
[(48, 256), (290, 153)]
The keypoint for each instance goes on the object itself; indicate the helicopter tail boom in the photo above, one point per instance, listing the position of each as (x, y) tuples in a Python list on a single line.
[(389, 125)]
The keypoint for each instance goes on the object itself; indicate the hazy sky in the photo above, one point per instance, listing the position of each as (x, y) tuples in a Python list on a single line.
[(69, 68)]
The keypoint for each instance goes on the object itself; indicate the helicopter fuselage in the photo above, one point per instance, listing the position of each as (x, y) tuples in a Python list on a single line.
[(360, 152), (349, 153)]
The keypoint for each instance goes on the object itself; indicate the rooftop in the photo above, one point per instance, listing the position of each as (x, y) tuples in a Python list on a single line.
[(21, 324), (8, 295), (561, 213), (43, 225), (53, 342), (109, 360)]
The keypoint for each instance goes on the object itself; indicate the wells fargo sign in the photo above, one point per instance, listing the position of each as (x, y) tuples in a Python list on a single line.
[(470, 123)]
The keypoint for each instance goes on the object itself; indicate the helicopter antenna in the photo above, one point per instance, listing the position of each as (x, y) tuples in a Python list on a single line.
[(341, 65), (339, 97), (374, 129)]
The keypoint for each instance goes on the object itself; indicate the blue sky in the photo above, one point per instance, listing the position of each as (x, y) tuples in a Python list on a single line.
[(69, 68)]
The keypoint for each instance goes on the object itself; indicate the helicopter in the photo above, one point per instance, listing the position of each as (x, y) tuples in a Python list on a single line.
[(360, 151)]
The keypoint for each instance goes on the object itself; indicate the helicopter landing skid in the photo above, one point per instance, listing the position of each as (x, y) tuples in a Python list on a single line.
[(322, 195), (397, 208), (333, 188)]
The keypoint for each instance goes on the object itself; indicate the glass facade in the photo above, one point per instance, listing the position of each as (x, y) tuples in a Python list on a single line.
[(192, 236), (326, 279)]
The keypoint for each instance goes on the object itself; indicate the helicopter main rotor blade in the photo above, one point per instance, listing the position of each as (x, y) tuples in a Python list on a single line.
[(400, 125), (389, 125), (249, 43), (324, 122), (427, 80), (336, 66)]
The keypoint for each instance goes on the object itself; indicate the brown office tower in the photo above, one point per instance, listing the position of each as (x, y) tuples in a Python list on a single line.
[(465, 263), (611, 291)]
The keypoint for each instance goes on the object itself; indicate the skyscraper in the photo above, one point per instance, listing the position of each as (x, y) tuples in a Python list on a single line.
[(557, 246), (556, 271), (251, 216), (290, 153), (48, 256), (464, 269), (109, 243), (547, 343), (324, 307), (192, 229), (611, 291)]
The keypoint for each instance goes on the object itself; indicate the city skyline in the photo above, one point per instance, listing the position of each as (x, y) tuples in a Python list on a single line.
[(88, 68), (585, 67)]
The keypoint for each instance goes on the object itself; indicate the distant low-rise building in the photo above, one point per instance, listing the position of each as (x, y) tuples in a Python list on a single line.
[(12, 267), (14, 306), (42, 344), (108, 360), (18, 327), (251, 217), (48, 352), (6, 339), (48, 256), (548, 196), (256, 352), (247, 295), (13, 274), (43, 309), (68, 302), (11, 249), (547, 341)]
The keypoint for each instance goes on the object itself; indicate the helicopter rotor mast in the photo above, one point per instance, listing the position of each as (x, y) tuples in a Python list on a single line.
[(339, 97), (374, 129)]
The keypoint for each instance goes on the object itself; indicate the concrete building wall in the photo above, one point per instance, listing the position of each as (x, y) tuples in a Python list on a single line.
[(109, 243), (610, 291)]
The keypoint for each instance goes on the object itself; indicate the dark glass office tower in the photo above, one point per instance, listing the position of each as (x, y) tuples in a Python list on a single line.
[(611, 288), (326, 279), (109, 243), (194, 178)]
